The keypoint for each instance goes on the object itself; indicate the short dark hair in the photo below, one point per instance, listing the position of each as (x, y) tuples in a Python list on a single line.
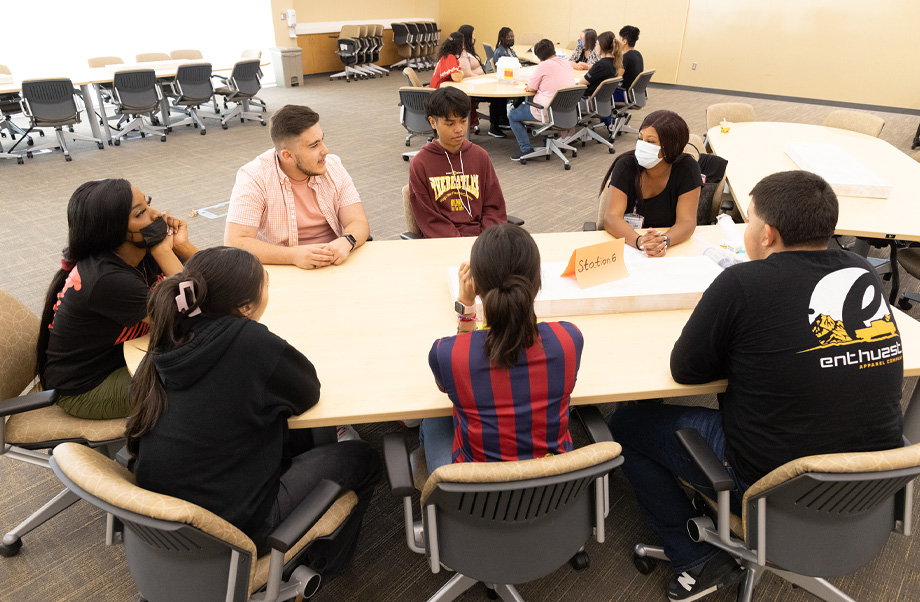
[(801, 206), (630, 33), (453, 45), (291, 121), (446, 102), (544, 49), (590, 40)]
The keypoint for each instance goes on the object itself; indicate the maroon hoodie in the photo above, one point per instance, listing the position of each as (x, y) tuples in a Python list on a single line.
[(455, 194)]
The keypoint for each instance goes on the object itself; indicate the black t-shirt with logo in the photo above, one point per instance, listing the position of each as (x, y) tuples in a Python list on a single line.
[(660, 211), (812, 354), (102, 305), (602, 70)]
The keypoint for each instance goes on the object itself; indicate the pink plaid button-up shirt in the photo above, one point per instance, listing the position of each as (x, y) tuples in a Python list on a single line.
[(262, 198)]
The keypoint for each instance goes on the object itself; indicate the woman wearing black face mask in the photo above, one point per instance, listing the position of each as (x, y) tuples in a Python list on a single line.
[(498, 109), (118, 248)]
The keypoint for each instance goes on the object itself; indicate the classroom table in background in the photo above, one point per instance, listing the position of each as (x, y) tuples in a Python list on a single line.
[(488, 86), (368, 325)]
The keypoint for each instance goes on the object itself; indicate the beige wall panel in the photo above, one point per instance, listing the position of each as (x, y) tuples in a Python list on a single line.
[(310, 11), (281, 27), (661, 31), (840, 50)]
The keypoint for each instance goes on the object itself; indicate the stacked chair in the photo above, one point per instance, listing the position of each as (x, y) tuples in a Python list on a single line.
[(417, 43), (358, 48)]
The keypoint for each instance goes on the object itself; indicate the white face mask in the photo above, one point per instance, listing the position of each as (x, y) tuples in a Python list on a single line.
[(647, 154)]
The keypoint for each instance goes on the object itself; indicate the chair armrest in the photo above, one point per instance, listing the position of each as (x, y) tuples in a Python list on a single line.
[(593, 421), (727, 205), (589, 227), (396, 460), (409, 236), (533, 104), (304, 516), (24, 403), (515, 220), (706, 459)]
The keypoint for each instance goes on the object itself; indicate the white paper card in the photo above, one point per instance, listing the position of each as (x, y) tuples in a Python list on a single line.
[(846, 175)]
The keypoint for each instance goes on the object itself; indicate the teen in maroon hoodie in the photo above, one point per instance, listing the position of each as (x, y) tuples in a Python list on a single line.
[(452, 185)]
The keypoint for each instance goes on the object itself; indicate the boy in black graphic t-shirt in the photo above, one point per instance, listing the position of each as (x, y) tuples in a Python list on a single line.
[(812, 354)]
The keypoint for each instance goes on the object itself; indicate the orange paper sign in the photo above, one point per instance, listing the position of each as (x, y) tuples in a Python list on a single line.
[(597, 264)]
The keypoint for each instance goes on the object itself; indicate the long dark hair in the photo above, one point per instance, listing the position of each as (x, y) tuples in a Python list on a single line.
[(97, 221), (505, 265), (590, 40), (452, 45), (467, 32), (673, 135), (503, 37), (224, 279)]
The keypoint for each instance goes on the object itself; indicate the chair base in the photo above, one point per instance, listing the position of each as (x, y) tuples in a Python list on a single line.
[(459, 584), (350, 72), (192, 118), (586, 134), (242, 113), (550, 147), (137, 124), (60, 142)]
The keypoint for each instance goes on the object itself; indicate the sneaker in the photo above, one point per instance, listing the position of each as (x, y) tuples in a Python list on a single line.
[(719, 572), (346, 432), (505, 126), (517, 157), (497, 133)]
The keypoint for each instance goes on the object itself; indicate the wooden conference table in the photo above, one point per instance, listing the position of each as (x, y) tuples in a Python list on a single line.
[(488, 86), (368, 325)]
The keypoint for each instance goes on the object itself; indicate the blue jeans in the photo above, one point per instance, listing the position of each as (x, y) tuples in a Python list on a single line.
[(654, 460), (436, 435), (517, 116)]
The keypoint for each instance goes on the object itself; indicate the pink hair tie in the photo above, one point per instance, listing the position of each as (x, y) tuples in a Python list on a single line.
[(67, 266), (182, 303)]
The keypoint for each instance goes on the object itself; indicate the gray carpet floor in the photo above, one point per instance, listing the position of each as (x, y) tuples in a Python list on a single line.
[(67, 560)]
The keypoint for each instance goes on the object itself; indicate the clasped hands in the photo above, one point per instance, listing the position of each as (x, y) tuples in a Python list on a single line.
[(314, 257), (653, 243)]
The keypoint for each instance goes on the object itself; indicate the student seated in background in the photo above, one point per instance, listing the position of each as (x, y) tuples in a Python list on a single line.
[(448, 67), (118, 248), (452, 185), (550, 75), (657, 185), (214, 394), (515, 369), (471, 65), (776, 327), (609, 64), (585, 53), (633, 64), (295, 203), (498, 114)]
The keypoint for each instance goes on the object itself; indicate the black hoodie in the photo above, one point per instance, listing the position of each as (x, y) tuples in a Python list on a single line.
[(222, 441)]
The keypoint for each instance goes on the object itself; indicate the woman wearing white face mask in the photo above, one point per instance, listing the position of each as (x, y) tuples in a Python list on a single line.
[(655, 186)]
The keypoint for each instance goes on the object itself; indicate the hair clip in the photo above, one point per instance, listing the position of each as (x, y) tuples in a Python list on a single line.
[(181, 301)]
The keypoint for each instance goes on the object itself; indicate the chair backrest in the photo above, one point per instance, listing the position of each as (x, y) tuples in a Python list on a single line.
[(252, 53), (412, 111), (149, 57), (102, 61), (400, 33), (562, 108), (50, 101), (188, 53), (348, 50), (855, 121), (638, 91), (734, 112), (829, 515), (713, 168), (695, 146), (245, 78), (17, 346), (4, 70), (411, 224), (412, 76), (601, 100), (136, 91), (513, 522), (194, 82), (489, 51)]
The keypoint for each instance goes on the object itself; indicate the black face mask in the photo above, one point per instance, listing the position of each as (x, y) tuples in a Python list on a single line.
[(153, 234), (510, 42)]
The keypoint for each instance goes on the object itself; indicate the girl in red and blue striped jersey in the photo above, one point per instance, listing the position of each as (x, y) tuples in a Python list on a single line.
[(510, 381)]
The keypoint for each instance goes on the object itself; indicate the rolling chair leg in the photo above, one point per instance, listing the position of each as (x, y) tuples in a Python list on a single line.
[(12, 541)]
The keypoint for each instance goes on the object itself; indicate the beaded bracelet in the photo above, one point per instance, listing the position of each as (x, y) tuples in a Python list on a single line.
[(464, 318)]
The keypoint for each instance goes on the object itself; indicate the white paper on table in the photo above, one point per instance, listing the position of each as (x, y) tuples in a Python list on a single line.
[(846, 174), (654, 284), (6, 79)]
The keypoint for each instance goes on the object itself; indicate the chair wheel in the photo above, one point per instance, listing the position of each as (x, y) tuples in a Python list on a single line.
[(523, 161), (582, 144), (203, 131), (224, 126), (169, 130), (8, 551), (611, 151), (41, 133), (580, 561), (547, 156), (405, 158), (117, 142), (19, 160), (68, 158), (643, 565), (162, 138), (574, 154), (242, 120), (100, 145), (491, 594), (568, 166), (29, 154), (263, 123), (29, 141), (902, 303)]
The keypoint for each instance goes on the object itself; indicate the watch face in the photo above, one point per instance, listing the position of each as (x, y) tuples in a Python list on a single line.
[(459, 307)]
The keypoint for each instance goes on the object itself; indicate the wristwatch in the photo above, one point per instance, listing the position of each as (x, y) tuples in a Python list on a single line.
[(351, 239), (667, 241), (464, 310)]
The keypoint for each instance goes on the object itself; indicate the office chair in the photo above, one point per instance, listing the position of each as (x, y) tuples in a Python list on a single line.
[(412, 76), (403, 48), (242, 86), (190, 89), (179, 552), (916, 141), (412, 115), (9, 105), (636, 98), (430, 43), (598, 105), (32, 421), (136, 94), (559, 114), (733, 112), (187, 54), (151, 57), (348, 54), (372, 49), (505, 523), (412, 230), (417, 43), (855, 121), (909, 259), (490, 56), (810, 519), (51, 103)]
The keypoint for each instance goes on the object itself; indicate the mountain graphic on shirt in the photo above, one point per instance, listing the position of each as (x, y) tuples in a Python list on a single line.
[(831, 333)]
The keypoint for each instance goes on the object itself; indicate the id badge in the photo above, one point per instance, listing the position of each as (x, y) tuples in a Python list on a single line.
[(634, 220)]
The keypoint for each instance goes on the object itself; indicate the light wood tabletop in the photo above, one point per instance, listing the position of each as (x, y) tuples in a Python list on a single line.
[(488, 86), (755, 150), (368, 325)]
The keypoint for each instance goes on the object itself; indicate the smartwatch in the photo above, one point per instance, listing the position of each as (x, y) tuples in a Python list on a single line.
[(667, 241), (351, 239), (463, 310)]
